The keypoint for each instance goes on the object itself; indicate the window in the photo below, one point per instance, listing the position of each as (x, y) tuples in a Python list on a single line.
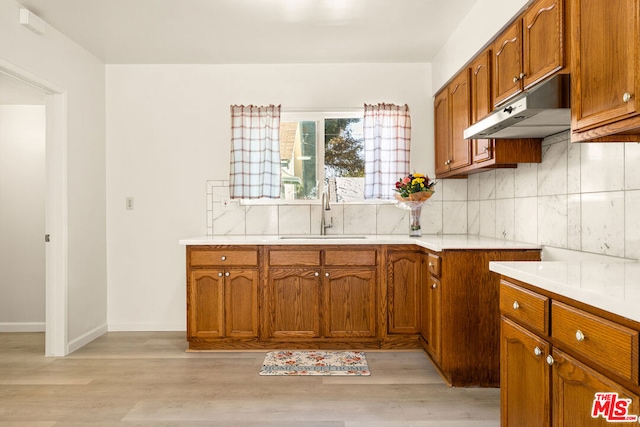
[(322, 150)]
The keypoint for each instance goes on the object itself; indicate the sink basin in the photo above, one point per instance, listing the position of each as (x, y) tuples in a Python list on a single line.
[(316, 237)]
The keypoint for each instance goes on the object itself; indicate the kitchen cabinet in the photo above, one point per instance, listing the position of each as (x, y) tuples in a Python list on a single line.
[(404, 282), (529, 50), (556, 357), (481, 102), (460, 315), (222, 293), (605, 71), (452, 150), (431, 305), (507, 64), (322, 293)]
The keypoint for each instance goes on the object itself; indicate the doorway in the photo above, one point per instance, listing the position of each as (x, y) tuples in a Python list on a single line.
[(56, 253)]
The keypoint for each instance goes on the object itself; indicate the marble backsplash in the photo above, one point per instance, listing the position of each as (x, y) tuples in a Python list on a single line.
[(445, 212), (583, 197)]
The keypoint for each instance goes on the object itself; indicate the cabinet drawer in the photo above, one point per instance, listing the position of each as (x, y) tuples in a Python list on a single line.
[(337, 257), (433, 264), (526, 307), (608, 344), (224, 257), (294, 257)]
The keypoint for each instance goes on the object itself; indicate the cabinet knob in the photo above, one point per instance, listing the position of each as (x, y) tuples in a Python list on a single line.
[(226, 274), (223, 258), (537, 351), (316, 274), (326, 274), (431, 265), (579, 335), (627, 97), (516, 305), (522, 76), (550, 360), (515, 79), (219, 274), (434, 286)]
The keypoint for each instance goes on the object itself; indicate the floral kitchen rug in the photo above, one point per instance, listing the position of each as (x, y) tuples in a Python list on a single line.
[(315, 363)]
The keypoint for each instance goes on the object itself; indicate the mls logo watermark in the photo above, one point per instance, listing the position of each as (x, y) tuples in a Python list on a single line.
[(612, 408)]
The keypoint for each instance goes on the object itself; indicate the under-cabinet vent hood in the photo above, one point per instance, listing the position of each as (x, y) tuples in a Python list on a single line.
[(539, 112)]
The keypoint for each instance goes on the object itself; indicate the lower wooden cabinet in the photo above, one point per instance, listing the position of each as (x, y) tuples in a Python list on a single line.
[(293, 304), (350, 303), (542, 385), (404, 283), (222, 301), (431, 317)]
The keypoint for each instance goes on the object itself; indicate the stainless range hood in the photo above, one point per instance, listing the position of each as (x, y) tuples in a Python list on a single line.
[(539, 112)]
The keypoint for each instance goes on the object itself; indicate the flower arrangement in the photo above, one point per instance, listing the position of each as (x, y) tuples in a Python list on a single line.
[(414, 187)]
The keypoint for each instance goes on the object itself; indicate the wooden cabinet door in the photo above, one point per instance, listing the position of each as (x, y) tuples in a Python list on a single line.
[(524, 378), (460, 99), (543, 41), (405, 269), (507, 64), (574, 389), (431, 316), (206, 310), (442, 131), (241, 303), (349, 303), (605, 65), (293, 297), (481, 102)]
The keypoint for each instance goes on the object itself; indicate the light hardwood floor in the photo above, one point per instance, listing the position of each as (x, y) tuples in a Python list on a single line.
[(147, 379)]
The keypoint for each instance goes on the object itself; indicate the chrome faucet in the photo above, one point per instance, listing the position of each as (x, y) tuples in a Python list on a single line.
[(325, 207)]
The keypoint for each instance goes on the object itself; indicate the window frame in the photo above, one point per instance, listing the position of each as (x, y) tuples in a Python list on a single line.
[(317, 116)]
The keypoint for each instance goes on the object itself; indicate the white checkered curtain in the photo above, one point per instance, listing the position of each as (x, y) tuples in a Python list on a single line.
[(255, 152), (387, 141)]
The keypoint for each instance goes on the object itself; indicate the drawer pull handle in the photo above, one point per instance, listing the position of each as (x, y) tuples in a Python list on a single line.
[(550, 360), (516, 305), (537, 351), (223, 258), (579, 335), (434, 286)]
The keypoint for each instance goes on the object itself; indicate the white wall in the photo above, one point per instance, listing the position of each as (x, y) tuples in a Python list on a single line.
[(57, 59), (169, 133), (22, 195)]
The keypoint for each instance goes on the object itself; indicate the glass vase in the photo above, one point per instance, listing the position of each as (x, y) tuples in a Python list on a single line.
[(415, 229)]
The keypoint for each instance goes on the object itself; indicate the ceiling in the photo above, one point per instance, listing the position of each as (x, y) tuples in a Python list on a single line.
[(255, 31)]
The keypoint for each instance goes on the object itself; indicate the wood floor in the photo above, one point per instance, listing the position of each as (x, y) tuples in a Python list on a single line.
[(147, 379)]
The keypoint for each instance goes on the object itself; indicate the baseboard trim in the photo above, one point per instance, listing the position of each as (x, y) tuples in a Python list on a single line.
[(22, 326), (86, 338)]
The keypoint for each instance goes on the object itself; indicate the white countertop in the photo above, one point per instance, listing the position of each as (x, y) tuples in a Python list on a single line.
[(610, 286), (434, 242)]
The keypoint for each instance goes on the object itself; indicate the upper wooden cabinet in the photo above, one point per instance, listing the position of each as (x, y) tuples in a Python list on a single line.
[(529, 50), (507, 63), (481, 102), (605, 70), (544, 40), (453, 116)]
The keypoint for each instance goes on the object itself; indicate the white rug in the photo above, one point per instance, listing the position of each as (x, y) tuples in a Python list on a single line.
[(315, 363)]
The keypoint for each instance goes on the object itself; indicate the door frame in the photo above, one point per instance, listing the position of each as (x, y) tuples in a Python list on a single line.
[(56, 209)]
